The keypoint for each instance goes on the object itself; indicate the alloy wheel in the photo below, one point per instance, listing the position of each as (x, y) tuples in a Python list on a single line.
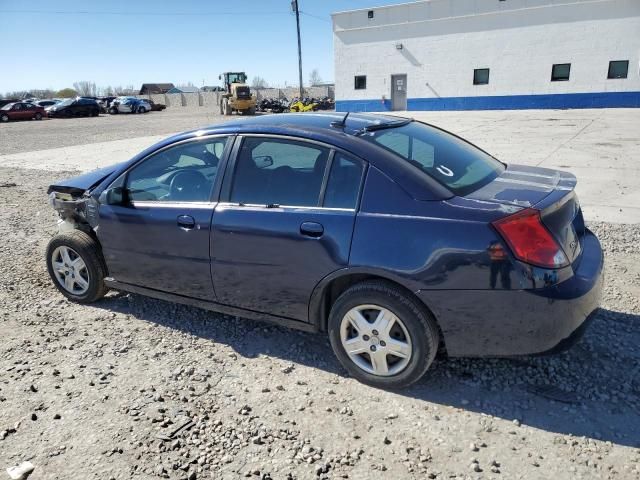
[(70, 270), (376, 340)]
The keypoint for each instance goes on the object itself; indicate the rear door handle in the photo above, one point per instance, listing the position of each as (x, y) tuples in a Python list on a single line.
[(312, 229), (186, 221)]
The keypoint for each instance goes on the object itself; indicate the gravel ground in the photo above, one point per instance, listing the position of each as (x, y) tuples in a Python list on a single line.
[(133, 387), (16, 137)]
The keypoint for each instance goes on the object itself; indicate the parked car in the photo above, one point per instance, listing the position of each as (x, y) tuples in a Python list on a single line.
[(156, 107), (394, 237), (21, 111), (74, 107), (47, 102), (130, 105), (4, 101)]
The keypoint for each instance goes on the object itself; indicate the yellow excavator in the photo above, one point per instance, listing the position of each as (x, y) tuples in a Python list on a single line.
[(237, 96)]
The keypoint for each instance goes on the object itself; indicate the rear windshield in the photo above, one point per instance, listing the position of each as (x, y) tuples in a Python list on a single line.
[(456, 164)]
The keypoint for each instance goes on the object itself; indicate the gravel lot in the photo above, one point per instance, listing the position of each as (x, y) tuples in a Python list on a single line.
[(133, 387), (65, 132)]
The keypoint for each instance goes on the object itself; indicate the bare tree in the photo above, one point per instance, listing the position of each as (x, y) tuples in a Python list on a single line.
[(259, 82), (85, 88), (314, 77)]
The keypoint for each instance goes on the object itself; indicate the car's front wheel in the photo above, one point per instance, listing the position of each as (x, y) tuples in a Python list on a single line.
[(76, 266), (381, 335), (4, 118)]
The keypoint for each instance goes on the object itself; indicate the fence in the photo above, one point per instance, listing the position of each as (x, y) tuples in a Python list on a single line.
[(212, 99)]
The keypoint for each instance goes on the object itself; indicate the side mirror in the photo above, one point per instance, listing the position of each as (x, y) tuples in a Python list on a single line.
[(113, 196), (263, 161)]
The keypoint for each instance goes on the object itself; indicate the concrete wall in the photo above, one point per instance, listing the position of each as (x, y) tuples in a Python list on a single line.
[(443, 41)]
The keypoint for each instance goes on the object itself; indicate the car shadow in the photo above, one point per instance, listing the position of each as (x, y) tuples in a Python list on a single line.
[(591, 390)]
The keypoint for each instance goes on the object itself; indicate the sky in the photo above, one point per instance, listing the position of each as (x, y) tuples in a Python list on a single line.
[(52, 44)]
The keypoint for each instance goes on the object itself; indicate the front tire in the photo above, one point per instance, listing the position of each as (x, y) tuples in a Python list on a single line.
[(76, 266), (4, 118), (382, 336)]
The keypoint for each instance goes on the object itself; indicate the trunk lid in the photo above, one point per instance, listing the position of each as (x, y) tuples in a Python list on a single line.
[(549, 191)]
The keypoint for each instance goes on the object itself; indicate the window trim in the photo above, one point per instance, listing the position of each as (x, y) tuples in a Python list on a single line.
[(478, 70), (230, 168), (626, 75), (355, 82), (553, 66), (215, 191)]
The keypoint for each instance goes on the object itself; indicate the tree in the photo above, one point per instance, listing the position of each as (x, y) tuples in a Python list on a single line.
[(259, 82), (314, 77), (85, 88), (66, 93)]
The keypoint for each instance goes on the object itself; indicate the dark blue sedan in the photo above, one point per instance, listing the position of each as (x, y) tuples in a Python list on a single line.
[(395, 237)]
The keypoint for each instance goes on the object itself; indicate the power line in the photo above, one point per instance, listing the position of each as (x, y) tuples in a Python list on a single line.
[(317, 17), (163, 14)]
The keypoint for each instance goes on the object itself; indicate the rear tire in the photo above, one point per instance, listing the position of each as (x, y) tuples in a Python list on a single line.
[(397, 340), (76, 266), (38, 116)]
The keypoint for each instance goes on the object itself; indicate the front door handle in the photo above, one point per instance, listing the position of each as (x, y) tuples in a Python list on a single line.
[(186, 221), (312, 229)]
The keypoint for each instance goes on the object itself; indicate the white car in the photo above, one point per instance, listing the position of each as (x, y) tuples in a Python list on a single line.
[(129, 105)]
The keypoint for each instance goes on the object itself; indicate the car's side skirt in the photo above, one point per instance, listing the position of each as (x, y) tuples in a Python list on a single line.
[(212, 306)]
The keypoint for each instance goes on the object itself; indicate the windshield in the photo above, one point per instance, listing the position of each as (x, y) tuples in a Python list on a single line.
[(64, 103), (455, 163), (7, 106)]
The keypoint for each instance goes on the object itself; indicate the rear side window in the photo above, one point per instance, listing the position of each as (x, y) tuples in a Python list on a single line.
[(272, 171), (455, 163), (344, 182)]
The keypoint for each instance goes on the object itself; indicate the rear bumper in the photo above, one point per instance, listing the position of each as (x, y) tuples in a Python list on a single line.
[(521, 322)]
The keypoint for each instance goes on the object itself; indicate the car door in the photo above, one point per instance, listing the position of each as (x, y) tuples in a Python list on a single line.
[(19, 112), (155, 219), (280, 228)]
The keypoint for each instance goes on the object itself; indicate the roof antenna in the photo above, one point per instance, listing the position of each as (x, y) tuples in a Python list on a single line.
[(341, 123)]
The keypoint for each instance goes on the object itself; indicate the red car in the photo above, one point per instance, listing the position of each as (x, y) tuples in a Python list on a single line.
[(21, 111)]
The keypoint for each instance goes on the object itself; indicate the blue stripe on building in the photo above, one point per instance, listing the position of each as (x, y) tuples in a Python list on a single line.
[(502, 102)]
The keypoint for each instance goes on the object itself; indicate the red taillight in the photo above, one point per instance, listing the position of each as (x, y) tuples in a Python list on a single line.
[(529, 239)]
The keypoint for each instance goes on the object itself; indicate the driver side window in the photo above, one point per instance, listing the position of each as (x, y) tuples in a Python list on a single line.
[(184, 173)]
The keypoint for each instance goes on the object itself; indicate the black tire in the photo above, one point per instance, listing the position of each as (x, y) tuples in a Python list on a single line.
[(38, 116), (89, 250), (417, 320), (113, 110), (4, 118), (142, 110)]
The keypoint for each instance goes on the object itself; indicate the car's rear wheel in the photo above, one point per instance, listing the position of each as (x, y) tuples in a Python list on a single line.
[(113, 110), (4, 117), (382, 336), (76, 266), (38, 116), (142, 110)]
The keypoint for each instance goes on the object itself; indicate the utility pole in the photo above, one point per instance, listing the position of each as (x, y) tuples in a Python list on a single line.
[(294, 7)]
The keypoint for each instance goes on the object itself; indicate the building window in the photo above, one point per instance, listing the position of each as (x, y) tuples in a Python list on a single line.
[(560, 72), (618, 69), (481, 76), (370, 14), (360, 82)]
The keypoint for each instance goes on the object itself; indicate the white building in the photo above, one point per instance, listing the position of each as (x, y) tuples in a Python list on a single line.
[(488, 54)]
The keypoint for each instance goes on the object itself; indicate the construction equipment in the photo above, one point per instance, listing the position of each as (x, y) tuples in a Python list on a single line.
[(237, 96)]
